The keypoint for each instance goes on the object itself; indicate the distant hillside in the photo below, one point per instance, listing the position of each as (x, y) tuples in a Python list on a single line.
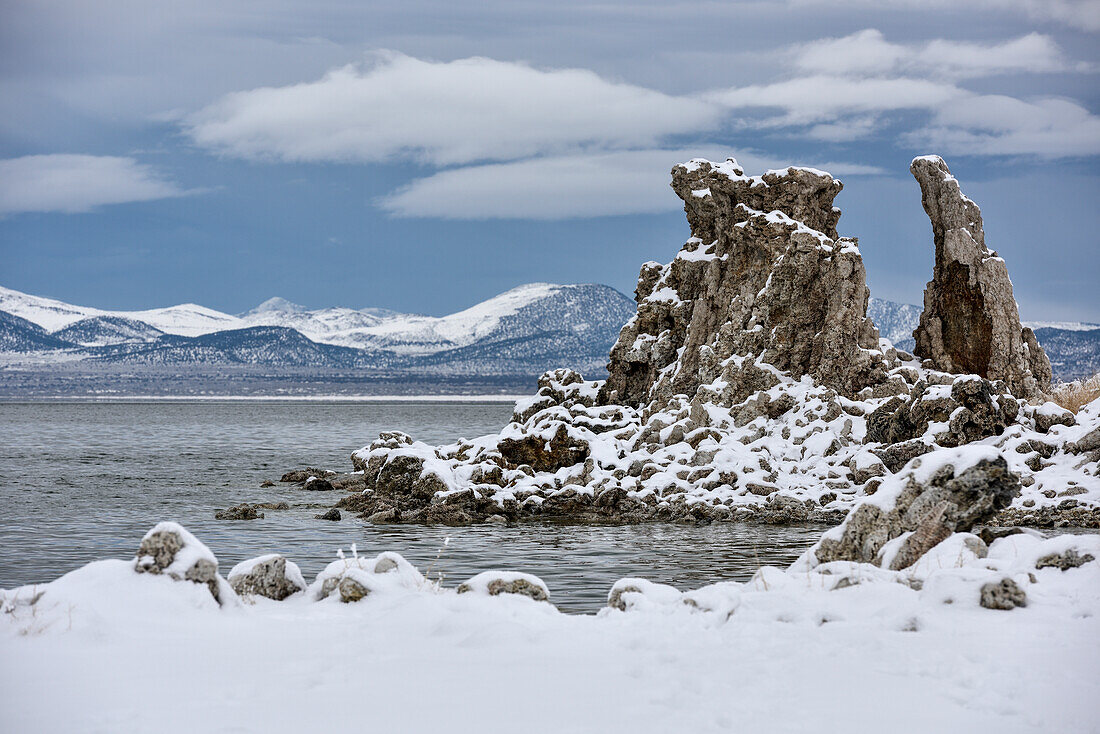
[(521, 332)]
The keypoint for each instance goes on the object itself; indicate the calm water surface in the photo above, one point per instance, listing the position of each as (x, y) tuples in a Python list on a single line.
[(80, 481)]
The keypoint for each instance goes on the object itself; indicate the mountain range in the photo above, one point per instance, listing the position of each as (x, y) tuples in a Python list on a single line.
[(523, 331), (518, 334)]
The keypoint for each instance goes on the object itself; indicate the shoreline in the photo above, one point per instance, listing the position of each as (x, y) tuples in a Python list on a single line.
[(490, 398)]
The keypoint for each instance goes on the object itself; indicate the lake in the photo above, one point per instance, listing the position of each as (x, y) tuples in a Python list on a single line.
[(84, 480)]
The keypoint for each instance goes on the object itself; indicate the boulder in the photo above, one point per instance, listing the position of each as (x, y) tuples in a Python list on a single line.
[(271, 576), (1064, 561), (934, 496), (332, 514), (544, 450), (317, 484), (1003, 594), (970, 323), (970, 407), (170, 550)]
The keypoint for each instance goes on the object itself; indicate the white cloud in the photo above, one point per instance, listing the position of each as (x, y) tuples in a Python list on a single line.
[(867, 82), (1000, 125), (462, 111), (824, 98), (868, 53), (77, 183), (606, 184)]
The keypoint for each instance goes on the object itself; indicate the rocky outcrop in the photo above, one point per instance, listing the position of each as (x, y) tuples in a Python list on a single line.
[(765, 275), (970, 322), (967, 410), (936, 496), (271, 576), (749, 386)]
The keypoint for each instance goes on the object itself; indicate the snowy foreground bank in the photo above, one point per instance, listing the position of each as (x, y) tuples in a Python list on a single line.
[(372, 645)]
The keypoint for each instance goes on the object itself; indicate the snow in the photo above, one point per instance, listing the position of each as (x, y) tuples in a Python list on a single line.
[(785, 651)]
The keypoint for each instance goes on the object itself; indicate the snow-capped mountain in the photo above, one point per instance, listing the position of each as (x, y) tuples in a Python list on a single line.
[(522, 331), (895, 321), (187, 319)]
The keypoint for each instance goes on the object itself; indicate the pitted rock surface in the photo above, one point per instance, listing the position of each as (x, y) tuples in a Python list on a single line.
[(765, 275), (157, 553), (267, 578), (947, 503), (970, 323)]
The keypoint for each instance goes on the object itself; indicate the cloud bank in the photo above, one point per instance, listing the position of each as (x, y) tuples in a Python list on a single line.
[(77, 183), (462, 111)]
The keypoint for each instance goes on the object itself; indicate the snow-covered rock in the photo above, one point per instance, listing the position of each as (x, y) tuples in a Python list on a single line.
[(271, 576), (169, 549), (494, 583)]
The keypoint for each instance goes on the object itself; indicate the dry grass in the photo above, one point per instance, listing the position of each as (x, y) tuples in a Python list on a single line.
[(1074, 395)]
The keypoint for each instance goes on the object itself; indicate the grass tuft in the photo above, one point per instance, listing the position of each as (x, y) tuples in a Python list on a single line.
[(1077, 394)]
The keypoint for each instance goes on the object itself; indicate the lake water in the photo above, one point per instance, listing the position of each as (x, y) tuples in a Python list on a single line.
[(81, 481)]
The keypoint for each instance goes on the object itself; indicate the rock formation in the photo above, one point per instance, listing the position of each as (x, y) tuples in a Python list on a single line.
[(764, 275), (970, 322), (750, 385)]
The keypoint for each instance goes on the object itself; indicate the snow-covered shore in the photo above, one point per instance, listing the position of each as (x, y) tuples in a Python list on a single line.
[(839, 647)]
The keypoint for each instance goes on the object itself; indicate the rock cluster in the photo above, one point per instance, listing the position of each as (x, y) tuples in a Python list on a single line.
[(970, 323)]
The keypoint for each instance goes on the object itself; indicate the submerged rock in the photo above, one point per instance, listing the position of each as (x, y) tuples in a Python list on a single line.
[(970, 323), (332, 514), (298, 476), (240, 512)]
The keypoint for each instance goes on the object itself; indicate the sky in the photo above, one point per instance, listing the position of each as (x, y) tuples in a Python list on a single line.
[(424, 156)]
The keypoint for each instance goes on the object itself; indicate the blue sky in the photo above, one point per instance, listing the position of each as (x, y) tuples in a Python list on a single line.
[(424, 156)]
